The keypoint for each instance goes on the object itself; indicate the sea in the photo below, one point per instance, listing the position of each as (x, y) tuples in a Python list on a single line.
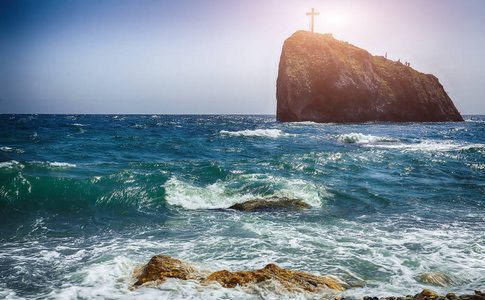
[(85, 200)]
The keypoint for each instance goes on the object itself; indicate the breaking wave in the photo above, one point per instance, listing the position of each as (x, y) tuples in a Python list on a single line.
[(359, 138), (240, 189), (41, 164), (436, 146), (270, 133)]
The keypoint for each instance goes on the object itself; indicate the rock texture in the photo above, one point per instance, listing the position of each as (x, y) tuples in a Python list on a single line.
[(322, 79), (291, 280), (430, 295), (437, 278), (273, 203), (161, 267)]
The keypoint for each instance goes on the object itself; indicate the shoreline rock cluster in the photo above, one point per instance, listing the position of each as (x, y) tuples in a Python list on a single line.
[(427, 294), (162, 267)]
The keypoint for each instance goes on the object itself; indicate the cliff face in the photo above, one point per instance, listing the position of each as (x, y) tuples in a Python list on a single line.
[(322, 79)]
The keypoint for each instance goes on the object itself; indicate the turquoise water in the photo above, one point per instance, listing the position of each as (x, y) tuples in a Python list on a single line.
[(85, 199)]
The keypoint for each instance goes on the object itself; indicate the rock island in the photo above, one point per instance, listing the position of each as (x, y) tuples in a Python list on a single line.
[(325, 80)]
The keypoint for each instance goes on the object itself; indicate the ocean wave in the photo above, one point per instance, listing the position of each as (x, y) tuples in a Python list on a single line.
[(271, 133), (6, 149), (240, 189), (36, 164), (9, 164), (60, 165), (127, 191), (435, 146), (359, 138)]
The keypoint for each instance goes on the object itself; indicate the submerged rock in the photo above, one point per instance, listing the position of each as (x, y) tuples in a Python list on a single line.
[(273, 203), (437, 278), (321, 79), (161, 267), (291, 280)]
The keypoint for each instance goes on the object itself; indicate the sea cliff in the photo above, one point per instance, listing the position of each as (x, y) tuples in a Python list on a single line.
[(321, 79)]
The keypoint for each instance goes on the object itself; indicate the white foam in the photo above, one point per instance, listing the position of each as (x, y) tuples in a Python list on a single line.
[(114, 279), (9, 164), (61, 165), (433, 146), (224, 194), (8, 294), (101, 281), (359, 138), (306, 123), (6, 149), (57, 165), (270, 133), (383, 255)]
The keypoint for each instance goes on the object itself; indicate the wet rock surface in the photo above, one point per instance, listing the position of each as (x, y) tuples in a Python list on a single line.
[(291, 280), (162, 267), (273, 203), (426, 294), (437, 278)]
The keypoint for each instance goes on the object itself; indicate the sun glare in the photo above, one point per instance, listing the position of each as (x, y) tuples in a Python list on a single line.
[(335, 17)]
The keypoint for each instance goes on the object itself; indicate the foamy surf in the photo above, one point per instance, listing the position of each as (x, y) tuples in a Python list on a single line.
[(434, 146), (113, 280), (269, 133), (223, 194), (9, 164), (359, 138), (60, 165), (46, 164)]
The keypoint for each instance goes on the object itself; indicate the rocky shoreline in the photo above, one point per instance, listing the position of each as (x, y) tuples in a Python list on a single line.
[(426, 294), (162, 267)]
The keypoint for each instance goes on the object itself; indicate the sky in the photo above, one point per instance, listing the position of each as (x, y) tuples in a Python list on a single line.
[(215, 56)]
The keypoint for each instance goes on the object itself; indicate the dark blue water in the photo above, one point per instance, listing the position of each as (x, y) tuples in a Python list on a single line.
[(85, 199)]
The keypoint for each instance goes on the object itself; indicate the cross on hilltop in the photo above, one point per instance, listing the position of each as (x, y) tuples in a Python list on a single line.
[(313, 13)]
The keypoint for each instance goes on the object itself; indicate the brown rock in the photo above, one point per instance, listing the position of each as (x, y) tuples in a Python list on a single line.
[(161, 267), (272, 203), (427, 294), (450, 295), (291, 280), (324, 80), (232, 279)]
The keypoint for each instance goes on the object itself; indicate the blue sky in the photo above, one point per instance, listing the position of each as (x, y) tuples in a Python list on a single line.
[(215, 57)]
